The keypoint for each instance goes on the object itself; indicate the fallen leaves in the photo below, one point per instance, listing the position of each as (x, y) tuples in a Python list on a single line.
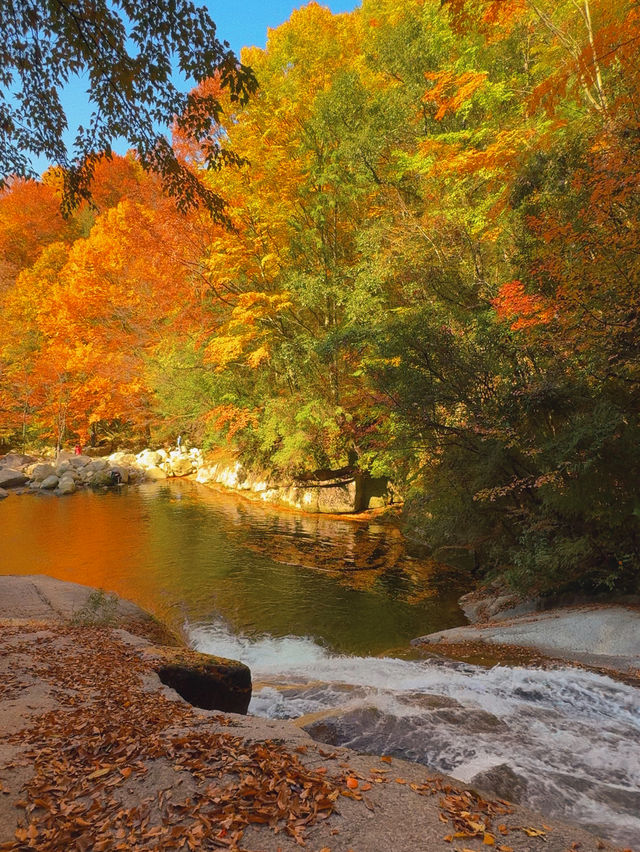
[(92, 755)]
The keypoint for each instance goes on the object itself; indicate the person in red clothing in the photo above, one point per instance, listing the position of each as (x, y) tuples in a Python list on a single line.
[(77, 450)]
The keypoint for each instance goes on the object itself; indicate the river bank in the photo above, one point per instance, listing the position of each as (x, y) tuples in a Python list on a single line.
[(345, 492), (96, 753)]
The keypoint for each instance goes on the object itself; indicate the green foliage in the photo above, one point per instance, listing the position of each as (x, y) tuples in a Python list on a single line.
[(99, 610)]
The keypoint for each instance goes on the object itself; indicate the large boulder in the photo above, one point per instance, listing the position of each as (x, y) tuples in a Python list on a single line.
[(41, 471), (79, 461), (121, 474), (121, 458), (102, 478), (63, 467), (501, 782), (10, 478), (3, 493), (149, 458), (96, 464), (339, 497)]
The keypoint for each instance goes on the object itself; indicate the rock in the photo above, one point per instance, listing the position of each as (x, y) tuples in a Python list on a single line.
[(149, 458), (41, 598), (79, 461), (121, 458), (121, 472), (483, 605), (10, 478), (213, 683), (342, 497), (16, 460), (181, 465), (50, 482), (101, 478), (155, 473), (3, 493), (501, 782), (96, 464), (41, 471), (62, 468), (66, 485)]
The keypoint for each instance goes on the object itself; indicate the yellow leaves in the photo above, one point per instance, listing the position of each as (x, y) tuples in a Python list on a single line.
[(248, 326), (99, 773), (534, 832)]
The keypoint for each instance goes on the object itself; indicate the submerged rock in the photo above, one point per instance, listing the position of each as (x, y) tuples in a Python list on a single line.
[(501, 781)]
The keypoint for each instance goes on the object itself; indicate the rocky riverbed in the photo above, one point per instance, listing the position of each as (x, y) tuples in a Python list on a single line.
[(96, 752)]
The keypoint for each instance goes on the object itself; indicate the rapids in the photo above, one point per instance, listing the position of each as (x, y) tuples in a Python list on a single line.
[(572, 737)]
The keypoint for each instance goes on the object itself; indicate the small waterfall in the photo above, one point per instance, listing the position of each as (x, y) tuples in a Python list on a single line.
[(571, 738)]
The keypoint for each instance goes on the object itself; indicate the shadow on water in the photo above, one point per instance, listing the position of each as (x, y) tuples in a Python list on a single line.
[(192, 554)]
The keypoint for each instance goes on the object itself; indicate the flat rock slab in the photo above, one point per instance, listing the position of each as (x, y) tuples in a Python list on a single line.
[(42, 598), (122, 761), (595, 635)]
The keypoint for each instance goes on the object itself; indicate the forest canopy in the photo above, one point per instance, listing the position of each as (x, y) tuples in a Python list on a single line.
[(430, 272)]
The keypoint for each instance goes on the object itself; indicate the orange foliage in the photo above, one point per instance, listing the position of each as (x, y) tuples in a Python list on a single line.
[(522, 310), (450, 91)]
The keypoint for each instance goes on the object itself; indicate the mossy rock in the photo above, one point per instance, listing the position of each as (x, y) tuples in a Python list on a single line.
[(212, 683)]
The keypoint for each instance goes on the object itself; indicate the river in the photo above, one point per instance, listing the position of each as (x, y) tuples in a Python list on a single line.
[(322, 610)]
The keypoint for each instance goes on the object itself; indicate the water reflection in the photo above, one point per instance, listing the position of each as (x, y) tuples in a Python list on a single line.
[(191, 554)]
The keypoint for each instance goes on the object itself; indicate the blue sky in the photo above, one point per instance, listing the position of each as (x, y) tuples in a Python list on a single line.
[(240, 22)]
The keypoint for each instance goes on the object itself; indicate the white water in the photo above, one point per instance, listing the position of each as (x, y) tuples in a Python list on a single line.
[(573, 736)]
